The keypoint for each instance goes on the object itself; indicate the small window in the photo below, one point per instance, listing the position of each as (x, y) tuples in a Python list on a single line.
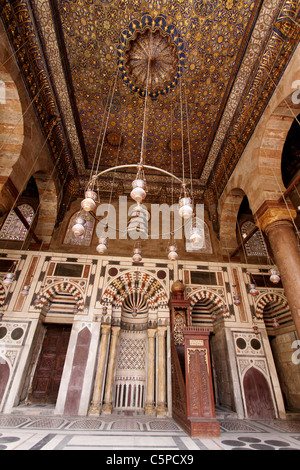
[(13, 228), (83, 240), (68, 270), (255, 246), (204, 278)]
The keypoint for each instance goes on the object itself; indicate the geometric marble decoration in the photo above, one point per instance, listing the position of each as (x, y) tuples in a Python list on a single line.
[(255, 246), (13, 228)]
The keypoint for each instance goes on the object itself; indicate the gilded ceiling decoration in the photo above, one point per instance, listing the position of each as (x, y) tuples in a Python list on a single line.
[(149, 58), (213, 68), (211, 35)]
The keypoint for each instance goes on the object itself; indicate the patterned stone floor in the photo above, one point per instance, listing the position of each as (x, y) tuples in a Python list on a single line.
[(39, 429)]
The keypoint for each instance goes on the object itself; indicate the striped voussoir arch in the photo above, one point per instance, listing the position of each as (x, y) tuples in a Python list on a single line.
[(67, 288), (209, 295), (2, 294), (142, 283), (270, 297)]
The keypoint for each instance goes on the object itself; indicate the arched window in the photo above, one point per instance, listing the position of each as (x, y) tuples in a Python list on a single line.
[(86, 238), (13, 228), (255, 246)]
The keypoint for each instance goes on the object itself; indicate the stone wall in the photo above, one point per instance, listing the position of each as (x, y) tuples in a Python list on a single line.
[(288, 368), (86, 292)]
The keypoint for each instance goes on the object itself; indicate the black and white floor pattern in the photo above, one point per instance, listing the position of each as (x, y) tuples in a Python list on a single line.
[(43, 431)]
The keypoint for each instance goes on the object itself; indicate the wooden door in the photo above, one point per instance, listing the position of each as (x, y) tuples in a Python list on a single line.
[(50, 366), (258, 397), (4, 376)]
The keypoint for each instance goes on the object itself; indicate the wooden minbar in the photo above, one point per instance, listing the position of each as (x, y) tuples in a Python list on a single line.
[(199, 388)]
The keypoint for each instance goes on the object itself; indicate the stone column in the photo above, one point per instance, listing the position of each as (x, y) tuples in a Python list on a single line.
[(161, 408), (95, 408), (149, 406), (107, 407), (277, 224)]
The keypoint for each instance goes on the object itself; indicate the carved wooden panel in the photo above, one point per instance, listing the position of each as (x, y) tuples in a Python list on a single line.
[(199, 389)]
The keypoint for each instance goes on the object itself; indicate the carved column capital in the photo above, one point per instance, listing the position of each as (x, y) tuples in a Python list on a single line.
[(152, 332), (115, 330), (105, 329), (273, 212)]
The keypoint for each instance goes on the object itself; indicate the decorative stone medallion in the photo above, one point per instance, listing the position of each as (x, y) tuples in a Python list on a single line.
[(150, 48), (151, 60)]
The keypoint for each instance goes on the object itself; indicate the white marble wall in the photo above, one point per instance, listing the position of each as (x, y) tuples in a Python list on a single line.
[(39, 268)]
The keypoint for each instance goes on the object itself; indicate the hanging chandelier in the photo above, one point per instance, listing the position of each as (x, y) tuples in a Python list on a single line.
[(138, 192), (197, 233), (10, 275), (139, 189), (137, 253), (7, 281), (236, 297), (78, 228), (253, 291), (102, 246), (274, 276), (236, 300), (185, 203), (172, 254)]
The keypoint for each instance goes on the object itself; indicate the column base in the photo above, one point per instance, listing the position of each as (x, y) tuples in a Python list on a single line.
[(95, 409), (161, 409), (149, 409), (107, 408)]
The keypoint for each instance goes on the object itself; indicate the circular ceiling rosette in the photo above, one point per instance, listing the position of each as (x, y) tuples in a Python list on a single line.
[(150, 45)]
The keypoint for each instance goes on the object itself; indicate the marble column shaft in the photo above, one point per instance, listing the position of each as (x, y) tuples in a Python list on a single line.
[(284, 245), (161, 394), (107, 407), (149, 407), (95, 407)]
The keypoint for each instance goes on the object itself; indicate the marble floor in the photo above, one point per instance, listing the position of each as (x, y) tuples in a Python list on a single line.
[(39, 429)]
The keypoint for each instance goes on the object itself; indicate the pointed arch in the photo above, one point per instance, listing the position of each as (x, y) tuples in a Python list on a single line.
[(270, 297), (258, 397), (140, 281), (215, 299), (67, 290), (272, 306)]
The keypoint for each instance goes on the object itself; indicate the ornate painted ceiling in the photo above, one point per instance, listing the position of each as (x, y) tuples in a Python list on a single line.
[(212, 67)]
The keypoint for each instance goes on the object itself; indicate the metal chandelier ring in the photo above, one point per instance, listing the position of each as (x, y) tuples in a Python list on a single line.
[(149, 167), (94, 177)]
